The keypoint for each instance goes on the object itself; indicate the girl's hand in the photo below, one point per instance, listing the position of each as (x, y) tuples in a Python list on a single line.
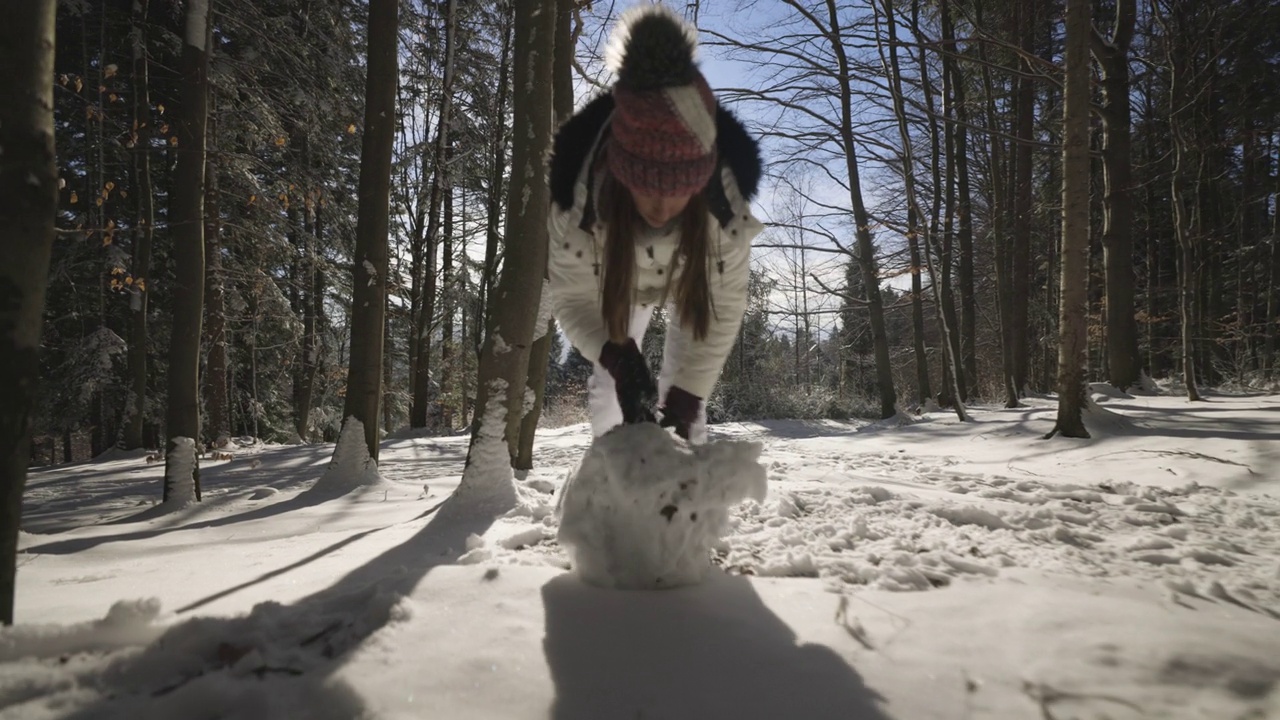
[(637, 393), (680, 410)]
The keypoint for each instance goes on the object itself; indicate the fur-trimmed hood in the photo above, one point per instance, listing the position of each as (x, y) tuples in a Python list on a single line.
[(575, 138)]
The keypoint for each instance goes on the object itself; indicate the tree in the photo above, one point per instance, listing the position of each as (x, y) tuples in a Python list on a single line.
[(369, 290), (145, 220), (1023, 176), (186, 219), (422, 327), (539, 355), (949, 346), (964, 200), (215, 380), (1072, 323), (29, 186), (504, 360), (866, 254), (1112, 55)]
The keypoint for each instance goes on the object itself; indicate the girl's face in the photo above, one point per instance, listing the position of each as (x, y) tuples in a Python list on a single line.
[(657, 210)]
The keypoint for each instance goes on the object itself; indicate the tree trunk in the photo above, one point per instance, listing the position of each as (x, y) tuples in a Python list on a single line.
[(29, 186), (913, 208), (144, 220), (1269, 360), (1186, 268), (504, 361), (422, 331), (953, 375), (1123, 364), (1073, 325), (1020, 270), (186, 219), (215, 375), (448, 307), (1000, 203), (497, 163), (1183, 223), (866, 250), (369, 292), (923, 389), (964, 205), (540, 351), (311, 308)]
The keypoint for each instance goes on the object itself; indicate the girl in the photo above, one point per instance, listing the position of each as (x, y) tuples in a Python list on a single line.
[(650, 184)]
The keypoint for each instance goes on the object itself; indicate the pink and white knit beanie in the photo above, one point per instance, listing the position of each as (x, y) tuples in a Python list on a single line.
[(663, 136)]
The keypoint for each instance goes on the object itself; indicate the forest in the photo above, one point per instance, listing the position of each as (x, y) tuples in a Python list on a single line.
[(260, 217)]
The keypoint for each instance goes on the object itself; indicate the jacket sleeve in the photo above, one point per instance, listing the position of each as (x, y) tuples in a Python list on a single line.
[(574, 285), (697, 364)]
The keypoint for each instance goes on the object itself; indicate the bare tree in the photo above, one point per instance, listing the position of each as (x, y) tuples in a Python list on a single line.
[(141, 260), (866, 251), (498, 144), (217, 397), (426, 313), (539, 354), (1073, 324), (999, 168), (29, 186), (913, 209), (504, 359), (964, 200), (186, 219), (1023, 178), (1112, 55), (1184, 101)]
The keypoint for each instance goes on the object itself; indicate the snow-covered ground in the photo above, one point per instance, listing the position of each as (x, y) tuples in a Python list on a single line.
[(929, 570)]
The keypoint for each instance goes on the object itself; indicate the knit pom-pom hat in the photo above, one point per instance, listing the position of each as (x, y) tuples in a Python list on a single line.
[(663, 136)]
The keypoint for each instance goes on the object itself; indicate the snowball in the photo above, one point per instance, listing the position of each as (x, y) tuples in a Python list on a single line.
[(643, 512)]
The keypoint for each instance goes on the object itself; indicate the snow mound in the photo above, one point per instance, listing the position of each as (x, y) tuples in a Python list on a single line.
[(642, 512), (1107, 390), (899, 419), (351, 468), (128, 623), (1101, 422)]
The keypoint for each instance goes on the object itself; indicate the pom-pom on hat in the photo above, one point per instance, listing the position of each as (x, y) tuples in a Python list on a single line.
[(663, 137)]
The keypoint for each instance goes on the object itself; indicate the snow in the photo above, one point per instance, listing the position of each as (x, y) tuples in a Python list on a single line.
[(487, 487), (197, 24), (180, 466), (351, 468), (931, 570), (642, 513)]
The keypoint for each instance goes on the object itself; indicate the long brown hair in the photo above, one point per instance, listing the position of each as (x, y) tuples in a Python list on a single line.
[(620, 216)]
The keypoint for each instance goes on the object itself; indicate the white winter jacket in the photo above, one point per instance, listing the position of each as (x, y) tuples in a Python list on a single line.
[(577, 247)]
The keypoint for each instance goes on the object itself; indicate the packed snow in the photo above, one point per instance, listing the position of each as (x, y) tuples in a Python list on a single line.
[(920, 568)]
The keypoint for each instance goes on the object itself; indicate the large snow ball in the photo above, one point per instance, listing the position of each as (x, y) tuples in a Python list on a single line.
[(642, 511)]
